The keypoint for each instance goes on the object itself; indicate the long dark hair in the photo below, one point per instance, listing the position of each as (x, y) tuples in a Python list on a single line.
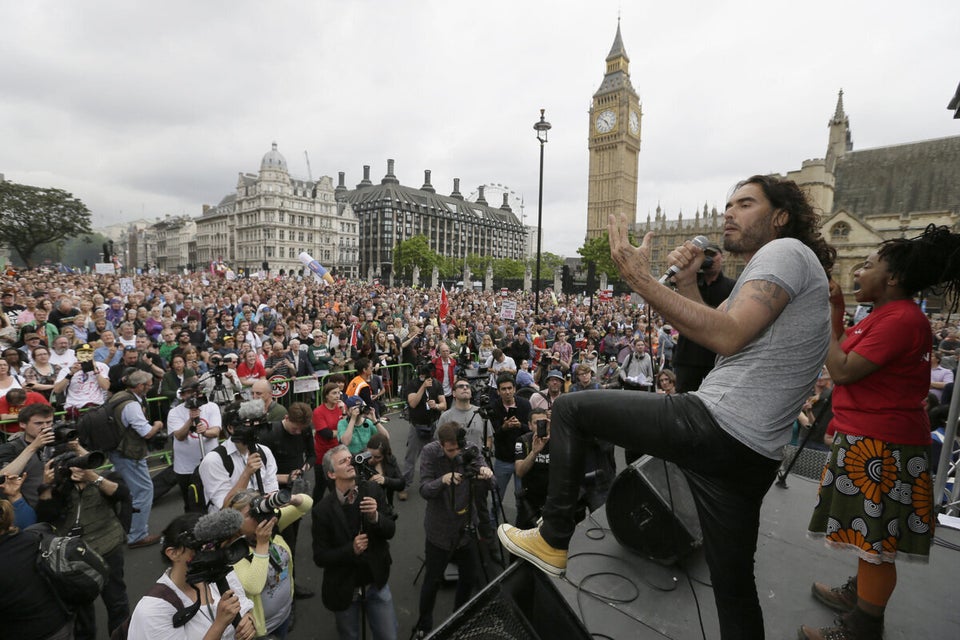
[(928, 261), (803, 222)]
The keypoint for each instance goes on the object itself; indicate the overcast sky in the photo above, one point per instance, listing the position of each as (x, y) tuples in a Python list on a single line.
[(144, 109)]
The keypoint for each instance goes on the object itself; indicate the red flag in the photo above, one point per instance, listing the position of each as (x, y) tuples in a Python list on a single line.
[(444, 303), (353, 336)]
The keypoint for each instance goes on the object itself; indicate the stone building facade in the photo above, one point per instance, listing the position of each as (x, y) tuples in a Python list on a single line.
[(272, 217)]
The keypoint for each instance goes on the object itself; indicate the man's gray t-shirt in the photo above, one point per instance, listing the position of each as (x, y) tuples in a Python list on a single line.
[(469, 420), (756, 394)]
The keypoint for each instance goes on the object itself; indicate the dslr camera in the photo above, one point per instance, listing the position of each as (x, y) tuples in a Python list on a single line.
[(265, 507)]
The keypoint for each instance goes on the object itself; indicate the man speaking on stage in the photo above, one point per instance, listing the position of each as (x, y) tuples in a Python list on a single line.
[(771, 335)]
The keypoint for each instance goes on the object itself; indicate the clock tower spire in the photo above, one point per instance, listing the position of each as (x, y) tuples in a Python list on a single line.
[(614, 143)]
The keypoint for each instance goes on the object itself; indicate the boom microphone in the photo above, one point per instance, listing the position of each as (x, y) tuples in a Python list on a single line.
[(218, 526), (700, 242), (251, 410)]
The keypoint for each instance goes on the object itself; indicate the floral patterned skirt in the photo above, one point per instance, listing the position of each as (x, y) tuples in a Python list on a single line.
[(876, 499)]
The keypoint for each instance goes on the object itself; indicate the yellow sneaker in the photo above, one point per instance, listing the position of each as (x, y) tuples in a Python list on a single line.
[(530, 545)]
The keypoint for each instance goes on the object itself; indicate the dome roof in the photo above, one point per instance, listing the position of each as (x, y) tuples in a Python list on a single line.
[(273, 159)]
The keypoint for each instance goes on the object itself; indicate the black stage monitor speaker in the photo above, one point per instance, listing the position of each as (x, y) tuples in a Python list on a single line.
[(522, 603), (651, 511)]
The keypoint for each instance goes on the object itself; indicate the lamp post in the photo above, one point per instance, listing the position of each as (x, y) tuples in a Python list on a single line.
[(541, 127)]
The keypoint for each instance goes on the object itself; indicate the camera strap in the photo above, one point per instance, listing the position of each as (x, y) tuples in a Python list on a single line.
[(259, 476)]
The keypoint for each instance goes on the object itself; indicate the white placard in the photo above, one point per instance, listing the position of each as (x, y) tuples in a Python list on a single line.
[(508, 310), (306, 385), (104, 268), (126, 286)]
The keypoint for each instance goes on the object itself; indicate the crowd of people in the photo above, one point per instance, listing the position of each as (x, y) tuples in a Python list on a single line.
[(493, 404)]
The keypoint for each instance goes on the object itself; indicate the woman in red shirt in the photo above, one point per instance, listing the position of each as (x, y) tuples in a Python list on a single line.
[(325, 419), (876, 494), (251, 369)]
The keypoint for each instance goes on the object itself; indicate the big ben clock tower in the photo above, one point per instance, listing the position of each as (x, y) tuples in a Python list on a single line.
[(614, 144)]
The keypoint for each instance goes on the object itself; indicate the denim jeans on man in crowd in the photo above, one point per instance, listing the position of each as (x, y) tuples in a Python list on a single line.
[(378, 608), (137, 476)]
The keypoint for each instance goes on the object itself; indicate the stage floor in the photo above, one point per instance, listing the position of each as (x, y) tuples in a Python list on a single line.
[(638, 599)]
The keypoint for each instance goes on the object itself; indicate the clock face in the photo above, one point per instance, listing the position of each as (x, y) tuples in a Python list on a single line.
[(606, 121), (634, 123)]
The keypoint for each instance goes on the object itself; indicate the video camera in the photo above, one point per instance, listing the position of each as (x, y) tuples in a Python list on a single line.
[(195, 401), (468, 455), (64, 432), (246, 419), (361, 463)]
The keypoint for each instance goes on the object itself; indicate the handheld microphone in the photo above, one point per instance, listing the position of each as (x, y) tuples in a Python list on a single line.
[(699, 242), (221, 525)]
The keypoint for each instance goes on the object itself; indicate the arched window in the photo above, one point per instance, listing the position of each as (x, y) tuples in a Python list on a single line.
[(840, 232)]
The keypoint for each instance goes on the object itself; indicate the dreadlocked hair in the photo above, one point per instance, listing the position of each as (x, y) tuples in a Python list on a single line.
[(803, 222), (928, 261)]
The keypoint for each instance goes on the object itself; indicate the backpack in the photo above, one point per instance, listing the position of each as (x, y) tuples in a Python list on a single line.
[(100, 429), (74, 571), (162, 592), (196, 498)]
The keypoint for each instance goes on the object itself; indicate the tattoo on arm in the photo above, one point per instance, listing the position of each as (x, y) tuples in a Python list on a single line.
[(764, 292)]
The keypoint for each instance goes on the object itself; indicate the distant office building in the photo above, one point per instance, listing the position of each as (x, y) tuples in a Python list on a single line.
[(390, 213)]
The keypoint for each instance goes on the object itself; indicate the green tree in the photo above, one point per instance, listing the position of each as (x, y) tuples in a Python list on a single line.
[(34, 216), (415, 252), (509, 269), (549, 262), (478, 265), (598, 250)]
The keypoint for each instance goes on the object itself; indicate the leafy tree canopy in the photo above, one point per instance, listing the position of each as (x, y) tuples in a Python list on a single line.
[(598, 250), (33, 216), (415, 252)]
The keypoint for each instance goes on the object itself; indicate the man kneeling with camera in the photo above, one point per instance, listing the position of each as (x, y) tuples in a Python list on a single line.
[(267, 575)]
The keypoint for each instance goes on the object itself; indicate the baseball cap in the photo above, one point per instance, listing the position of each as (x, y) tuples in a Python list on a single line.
[(554, 373), (129, 347), (31, 336), (354, 401)]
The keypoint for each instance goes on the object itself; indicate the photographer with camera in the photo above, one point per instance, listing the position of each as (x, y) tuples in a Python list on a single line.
[(130, 457), (267, 574), (509, 415), (533, 468), (425, 406), (221, 384), (181, 607), (291, 442), (448, 470), (351, 530), (356, 429), (254, 466), (79, 501), (24, 452), (84, 382), (195, 426)]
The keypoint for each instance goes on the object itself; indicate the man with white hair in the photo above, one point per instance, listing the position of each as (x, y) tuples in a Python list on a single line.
[(61, 354)]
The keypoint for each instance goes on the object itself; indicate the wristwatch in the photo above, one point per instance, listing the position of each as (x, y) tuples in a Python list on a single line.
[(98, 482)]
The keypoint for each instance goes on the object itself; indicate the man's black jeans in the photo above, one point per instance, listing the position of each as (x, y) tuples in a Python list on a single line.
[(728, 481)]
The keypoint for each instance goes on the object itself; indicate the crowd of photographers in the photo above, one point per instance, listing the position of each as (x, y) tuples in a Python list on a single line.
[(477, 391)]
